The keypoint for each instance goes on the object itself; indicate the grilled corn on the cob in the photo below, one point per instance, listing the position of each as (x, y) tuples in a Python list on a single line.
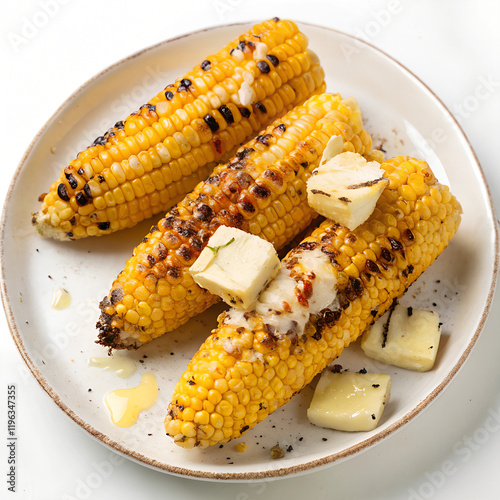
[(145, 164), (254, 362), (262, 190)]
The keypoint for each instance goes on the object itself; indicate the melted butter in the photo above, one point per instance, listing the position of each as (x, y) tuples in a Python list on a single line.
[(122, 366), (61, 300), (124, 405)]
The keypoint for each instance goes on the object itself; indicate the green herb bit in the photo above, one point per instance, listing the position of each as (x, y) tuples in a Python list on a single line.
[(216, 249)]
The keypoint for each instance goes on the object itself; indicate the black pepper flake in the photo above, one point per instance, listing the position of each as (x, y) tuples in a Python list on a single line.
[(324, 439), (410, 311), (273, 59), (211, 122), (141, 361), (304, 165), (373, 416), (336, 369), (80, 171), (301, 438), (169, 95), (101, 178), (100, 141), (206, 65), (263, 66), (363, 371), (81, 199), (89, 390), (191, 382), (120, 125), (385, 331), (103, 226), (221, 446), (375, 385), (261, 107), (171, 354), (289, 449), (62, 192), (69, 234), (226, 113), (241, 45), (434, 304), (276, 19)]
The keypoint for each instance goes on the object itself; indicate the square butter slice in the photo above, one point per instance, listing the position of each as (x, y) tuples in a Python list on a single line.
[(236, 266), (349, 401), (407, 337)]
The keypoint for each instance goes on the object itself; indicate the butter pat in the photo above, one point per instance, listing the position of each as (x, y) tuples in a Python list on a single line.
[(408, 338), (236, 266), (349, 401), (346, 188)]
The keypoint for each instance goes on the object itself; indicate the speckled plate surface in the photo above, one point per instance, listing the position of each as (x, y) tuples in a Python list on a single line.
[(400, 112)]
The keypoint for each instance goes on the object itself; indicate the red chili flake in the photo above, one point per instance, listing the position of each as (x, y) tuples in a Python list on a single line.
[(308, 289), (300, 297), (286, 307), (217, 144)]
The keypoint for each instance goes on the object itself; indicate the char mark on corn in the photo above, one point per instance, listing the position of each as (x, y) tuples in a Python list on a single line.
[(148, 162), (261, 190), (245, 370)]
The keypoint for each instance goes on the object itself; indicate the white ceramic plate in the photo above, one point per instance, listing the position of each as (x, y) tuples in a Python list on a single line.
[(401, 113)]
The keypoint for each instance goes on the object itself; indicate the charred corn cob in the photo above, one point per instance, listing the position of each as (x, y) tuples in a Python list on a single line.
[(145, 164), (339, 281), (262, 190)]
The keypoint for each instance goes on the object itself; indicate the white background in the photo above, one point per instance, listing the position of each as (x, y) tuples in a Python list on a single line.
[(50, 47)]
